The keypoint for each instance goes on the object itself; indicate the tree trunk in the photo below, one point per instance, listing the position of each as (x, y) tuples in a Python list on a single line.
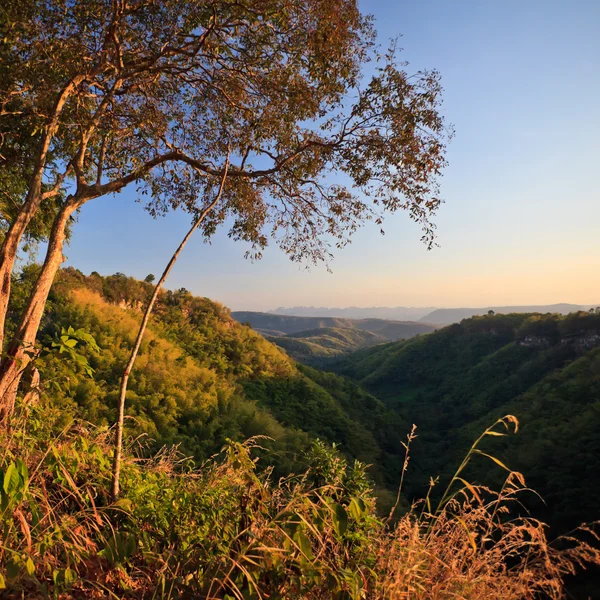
[(10, 246), (17, 356), (136, 347)]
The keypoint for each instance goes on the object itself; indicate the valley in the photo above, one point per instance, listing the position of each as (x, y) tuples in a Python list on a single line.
[(203, 377)]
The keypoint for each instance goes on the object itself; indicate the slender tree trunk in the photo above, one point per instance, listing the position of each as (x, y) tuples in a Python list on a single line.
[(17, 356), (10, 245), (134, 352)]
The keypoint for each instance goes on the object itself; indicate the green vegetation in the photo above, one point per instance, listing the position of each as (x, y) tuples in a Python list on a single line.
[(543, 368), (319, 346), (227, 531), (284, 515), (201, 378)]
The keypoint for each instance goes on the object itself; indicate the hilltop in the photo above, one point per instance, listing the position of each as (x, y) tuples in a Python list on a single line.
[(447, 316)]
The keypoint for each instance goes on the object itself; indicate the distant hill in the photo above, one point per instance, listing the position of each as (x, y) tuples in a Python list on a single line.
[(453, 383), (319, 346), (394, 313), (267, 323), (435, 316), (446, 316)]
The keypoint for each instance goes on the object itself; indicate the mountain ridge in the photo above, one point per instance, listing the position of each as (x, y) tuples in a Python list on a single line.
[(432, 315), (286, 324)]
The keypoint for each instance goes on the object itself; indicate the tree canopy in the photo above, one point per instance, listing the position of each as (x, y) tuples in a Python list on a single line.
[(159, 93)]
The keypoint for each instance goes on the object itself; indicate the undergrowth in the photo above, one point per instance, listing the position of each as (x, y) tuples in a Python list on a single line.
[(227, 530)]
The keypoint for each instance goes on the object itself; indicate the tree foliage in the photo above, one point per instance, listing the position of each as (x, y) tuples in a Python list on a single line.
[(159, 93)]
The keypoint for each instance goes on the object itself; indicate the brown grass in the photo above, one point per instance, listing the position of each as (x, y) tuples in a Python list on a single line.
[(226, 531)]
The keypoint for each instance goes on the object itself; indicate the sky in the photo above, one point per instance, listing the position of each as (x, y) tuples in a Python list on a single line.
[(521, 218)]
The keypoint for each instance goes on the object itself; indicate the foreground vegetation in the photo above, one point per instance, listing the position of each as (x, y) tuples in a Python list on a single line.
[(230, 530)]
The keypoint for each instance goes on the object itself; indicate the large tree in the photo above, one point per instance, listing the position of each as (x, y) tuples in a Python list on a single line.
[(158, 93)]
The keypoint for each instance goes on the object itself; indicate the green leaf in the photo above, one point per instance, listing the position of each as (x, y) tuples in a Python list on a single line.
[(123, 504), (304, 545), (70, 577), (355, 510), (30, 566), (22, 470), (340, 519), (12, 480)]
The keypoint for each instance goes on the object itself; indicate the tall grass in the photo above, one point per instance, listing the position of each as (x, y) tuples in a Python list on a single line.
[(226, 530)]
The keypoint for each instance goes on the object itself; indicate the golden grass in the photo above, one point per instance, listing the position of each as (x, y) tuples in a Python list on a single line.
[(225, 531)]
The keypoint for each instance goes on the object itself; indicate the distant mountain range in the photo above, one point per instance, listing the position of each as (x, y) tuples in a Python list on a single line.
[(274, 325), (446, 316), (435, 316), (395, 313)]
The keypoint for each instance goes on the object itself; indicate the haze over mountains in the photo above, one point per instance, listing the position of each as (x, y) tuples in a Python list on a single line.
[(317, 340), (279, 325), (396, 313), (432, 315)]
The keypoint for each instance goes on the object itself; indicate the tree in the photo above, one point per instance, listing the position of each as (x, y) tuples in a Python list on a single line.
[(149, 278), (138, 341), (155, 92), (491, 313)]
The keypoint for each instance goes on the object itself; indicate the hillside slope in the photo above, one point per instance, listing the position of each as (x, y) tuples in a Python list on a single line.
[(320, 346), (202, 378), (285, 324), (545, 369)]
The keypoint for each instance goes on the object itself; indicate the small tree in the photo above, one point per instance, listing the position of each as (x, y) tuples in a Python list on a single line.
[(156, 92), (149, 278)]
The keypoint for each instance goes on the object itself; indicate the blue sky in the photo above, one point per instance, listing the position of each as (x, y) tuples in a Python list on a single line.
[(521, 219)]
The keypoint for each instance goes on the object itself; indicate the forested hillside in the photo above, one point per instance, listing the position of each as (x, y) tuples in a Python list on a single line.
[(201, 378), (320, 346), (545, 369), (272, 324), (447, 316)]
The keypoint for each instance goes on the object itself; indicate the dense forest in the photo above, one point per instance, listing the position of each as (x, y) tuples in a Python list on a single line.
[(543, 368), (202, 378)]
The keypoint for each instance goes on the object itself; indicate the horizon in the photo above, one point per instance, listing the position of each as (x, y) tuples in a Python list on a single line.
[(518, 226)]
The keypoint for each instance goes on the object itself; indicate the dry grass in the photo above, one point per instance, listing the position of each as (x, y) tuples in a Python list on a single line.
[(225, 531)]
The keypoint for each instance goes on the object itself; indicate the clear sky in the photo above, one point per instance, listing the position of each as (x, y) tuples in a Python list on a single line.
[(521, 221)]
